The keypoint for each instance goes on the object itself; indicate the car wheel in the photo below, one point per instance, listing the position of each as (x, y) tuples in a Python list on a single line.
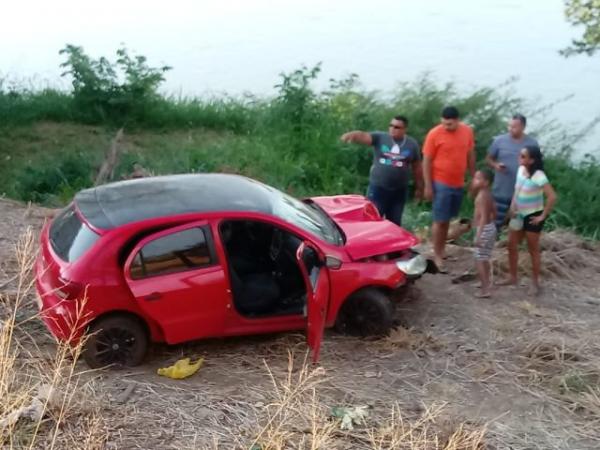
[(368, 312), (117, 341)]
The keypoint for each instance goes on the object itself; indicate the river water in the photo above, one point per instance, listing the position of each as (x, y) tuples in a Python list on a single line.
[(236, 46)]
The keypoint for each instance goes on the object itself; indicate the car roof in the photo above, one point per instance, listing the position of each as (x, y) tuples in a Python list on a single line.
[(115, 204)]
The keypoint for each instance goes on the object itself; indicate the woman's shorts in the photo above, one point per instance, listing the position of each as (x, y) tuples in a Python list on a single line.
[(530, 227)]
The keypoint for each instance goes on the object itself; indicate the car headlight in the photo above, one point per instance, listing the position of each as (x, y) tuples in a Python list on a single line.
[(416, 265)]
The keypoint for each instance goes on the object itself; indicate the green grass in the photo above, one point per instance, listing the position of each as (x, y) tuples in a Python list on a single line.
[(53, 142)]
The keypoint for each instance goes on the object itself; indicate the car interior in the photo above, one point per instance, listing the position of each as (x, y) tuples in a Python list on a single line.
[(265, 277)]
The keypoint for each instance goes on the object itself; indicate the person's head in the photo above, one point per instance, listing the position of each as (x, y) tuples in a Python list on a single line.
[(450, 118), (516, 126), (483, 179), (397, 127), (531, 158)]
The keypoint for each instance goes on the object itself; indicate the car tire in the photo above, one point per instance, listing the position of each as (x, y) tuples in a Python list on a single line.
[(116, 341), (368, 312)]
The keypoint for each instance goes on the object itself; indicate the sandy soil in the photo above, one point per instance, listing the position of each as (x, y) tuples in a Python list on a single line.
[(526, 370)]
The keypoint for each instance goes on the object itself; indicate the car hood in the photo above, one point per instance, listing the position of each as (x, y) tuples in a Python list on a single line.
[(367, 234)]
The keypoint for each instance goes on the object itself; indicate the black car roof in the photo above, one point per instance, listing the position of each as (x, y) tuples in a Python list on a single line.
[(115, 204)]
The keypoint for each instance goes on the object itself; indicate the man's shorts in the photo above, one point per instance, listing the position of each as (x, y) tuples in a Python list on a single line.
[(483, 251), (446, 202)]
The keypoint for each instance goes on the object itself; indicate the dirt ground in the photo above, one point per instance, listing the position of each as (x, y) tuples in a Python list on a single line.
[(525, 371)]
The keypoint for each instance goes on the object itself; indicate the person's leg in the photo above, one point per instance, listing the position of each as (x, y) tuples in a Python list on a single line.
[(533, 245), (483, 269), (378, 197), (439, 234), (396, 206), (514, 239), (456, 196), (502, 207), (442, 209)]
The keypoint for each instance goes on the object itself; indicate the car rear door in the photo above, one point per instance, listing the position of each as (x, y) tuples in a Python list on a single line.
[(316, 278), (178, 281)]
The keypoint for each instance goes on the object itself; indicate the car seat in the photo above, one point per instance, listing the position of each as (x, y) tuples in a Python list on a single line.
[(254, 293)]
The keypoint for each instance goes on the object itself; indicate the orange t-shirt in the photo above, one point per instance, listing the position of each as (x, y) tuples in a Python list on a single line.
[(449, 152)]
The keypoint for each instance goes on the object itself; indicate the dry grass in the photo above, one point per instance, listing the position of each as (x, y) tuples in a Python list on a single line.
[(564, 254), (43, 401), (297, 413), (422, 387)]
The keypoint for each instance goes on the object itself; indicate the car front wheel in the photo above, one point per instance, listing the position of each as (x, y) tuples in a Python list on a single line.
[(117, 341), (368, 312)]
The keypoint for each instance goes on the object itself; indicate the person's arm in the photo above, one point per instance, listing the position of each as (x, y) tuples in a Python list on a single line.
[(481, 213), (512, 209), (418, 177), (491, 162), (471, 157), (551, 197), (471, 162), (429, 152), (491, 158), (428, 191), (357, 137)]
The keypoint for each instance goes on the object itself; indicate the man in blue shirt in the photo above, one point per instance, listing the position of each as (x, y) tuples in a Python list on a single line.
[(503, 157)]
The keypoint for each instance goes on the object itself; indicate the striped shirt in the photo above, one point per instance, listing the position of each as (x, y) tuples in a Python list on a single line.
[(529, 191)]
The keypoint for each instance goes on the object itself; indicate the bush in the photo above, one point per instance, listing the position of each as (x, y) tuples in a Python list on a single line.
[(56, 180), (290, 140), (111, 92)]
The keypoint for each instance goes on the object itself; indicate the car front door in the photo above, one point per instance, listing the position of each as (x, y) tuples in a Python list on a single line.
[(177, 280), (316, 279)]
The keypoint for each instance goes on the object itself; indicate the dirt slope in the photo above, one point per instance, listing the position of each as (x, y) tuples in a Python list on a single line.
[(527, 370)]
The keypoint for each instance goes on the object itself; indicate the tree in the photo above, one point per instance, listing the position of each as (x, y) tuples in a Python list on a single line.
[(105, 90), (584, 13)]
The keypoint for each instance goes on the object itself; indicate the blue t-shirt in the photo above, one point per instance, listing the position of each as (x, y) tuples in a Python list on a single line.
[(506, 150)]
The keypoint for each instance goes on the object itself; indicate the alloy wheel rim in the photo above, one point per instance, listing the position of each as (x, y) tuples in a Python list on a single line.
[(114, 346)]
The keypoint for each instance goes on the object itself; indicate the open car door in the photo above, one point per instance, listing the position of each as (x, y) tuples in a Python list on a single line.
[(316, 279)]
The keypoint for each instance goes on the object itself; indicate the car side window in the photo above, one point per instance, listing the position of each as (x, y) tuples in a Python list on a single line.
[(176, 252), (311, 262)]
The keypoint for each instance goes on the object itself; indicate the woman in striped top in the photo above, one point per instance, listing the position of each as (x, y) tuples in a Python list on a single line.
[(529, 211)]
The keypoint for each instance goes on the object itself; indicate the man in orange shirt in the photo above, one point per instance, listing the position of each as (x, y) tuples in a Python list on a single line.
[(448, 151)]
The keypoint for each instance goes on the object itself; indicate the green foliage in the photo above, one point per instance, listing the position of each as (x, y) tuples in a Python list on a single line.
[(578, 206), (584, 13), (290, 141), (55, 180), (104, 91)]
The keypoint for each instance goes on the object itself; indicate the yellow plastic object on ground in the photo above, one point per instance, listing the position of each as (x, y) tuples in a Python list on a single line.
[(181, 369)]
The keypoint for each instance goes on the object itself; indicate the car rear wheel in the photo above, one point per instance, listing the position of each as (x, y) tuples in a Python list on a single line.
[(368, 312), (117, 341)]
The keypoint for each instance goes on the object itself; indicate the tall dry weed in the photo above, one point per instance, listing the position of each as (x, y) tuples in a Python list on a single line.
[(45, 402)]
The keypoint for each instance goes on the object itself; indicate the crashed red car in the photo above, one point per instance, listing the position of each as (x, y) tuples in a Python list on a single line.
[(184, 257)]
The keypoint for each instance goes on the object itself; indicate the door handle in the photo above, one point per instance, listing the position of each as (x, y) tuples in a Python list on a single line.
[(153, 296)]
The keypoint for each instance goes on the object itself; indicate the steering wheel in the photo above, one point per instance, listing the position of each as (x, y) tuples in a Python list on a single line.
[(276, 244)]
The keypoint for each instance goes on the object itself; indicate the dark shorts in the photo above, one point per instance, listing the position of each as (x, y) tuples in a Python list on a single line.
[(528, 226), (389, 202), (446, 202)]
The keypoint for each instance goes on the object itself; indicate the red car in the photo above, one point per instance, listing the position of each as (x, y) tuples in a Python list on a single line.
[(184, 257)]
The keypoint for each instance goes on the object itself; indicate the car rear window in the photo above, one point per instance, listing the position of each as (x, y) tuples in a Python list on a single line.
[(70, 237)]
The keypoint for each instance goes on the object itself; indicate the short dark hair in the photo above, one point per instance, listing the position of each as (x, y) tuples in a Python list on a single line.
[(521, 118), (535, 153), (487, 174), (450, 112), (403, 119)]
